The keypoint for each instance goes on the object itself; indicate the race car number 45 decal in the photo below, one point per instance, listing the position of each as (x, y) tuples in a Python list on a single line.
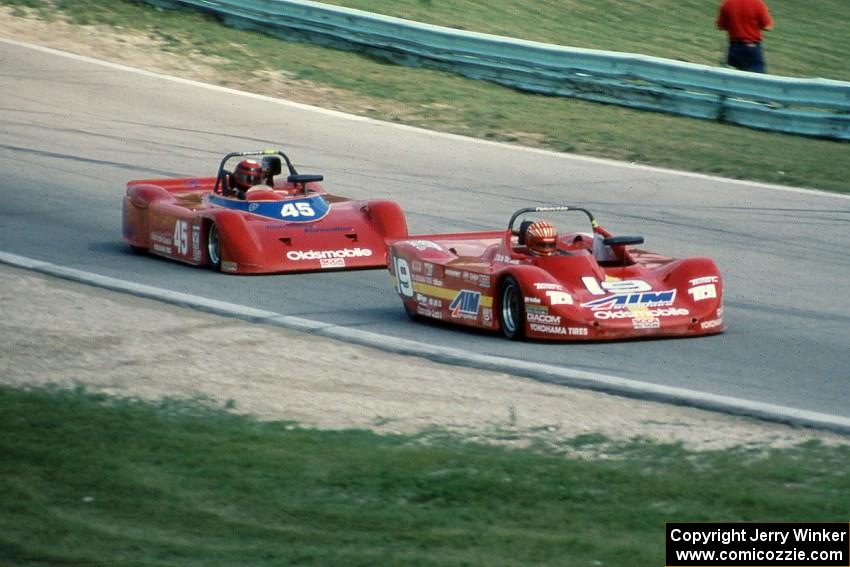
[(299, 209)]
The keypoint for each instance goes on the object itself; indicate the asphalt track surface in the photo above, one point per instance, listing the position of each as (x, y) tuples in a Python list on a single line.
[(73, 132)]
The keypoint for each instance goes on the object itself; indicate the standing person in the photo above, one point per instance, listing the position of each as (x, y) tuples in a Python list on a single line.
[(744, 21)]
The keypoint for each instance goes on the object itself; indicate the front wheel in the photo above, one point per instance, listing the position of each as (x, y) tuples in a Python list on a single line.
[(512, 310), (213, 248)]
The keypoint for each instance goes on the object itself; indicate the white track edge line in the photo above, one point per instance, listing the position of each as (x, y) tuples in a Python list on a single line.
[(354, 117), (542, 372)]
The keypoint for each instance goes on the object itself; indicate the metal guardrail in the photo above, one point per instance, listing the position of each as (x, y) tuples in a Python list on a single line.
[(811, 107)]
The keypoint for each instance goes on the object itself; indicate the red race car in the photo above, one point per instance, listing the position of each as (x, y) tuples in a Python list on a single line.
[(249, 221), (529, 281)]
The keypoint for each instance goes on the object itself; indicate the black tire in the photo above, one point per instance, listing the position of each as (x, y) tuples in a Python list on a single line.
[(213, 248), (511, 309)]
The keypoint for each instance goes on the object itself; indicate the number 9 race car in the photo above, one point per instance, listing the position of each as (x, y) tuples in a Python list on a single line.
[(529, 281), (248, 221)]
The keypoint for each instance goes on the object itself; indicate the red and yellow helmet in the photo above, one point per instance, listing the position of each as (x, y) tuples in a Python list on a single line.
[(248, 173), (541, 238)]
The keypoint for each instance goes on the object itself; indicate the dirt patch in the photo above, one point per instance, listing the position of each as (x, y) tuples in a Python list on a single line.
[(59, 332)]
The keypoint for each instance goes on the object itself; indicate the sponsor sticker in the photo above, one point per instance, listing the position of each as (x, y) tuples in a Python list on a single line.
[(703, 292), (327, 228), (711, 324), (505, 259), (543, 318), (559, 298), (545, 286), (577, 331), (332, 263), (196, 242), (549, 329), (466, 302), (704, 280), (301, 255), (651, 313)]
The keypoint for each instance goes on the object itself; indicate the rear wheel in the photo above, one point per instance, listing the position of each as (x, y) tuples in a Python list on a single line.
[(511, 310), (213, 248)]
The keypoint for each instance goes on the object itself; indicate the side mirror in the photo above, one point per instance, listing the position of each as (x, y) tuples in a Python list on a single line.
[(271, 165), (305, 178), (620, 240)]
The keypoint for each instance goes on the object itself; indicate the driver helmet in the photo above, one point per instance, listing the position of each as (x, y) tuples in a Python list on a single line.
[(541, 238), (248, 173)]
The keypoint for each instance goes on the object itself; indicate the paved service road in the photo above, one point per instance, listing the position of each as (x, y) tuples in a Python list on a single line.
[(74, 132)]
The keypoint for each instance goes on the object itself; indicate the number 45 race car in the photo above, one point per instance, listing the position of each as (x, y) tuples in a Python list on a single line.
[(531, 282), (248, 221)]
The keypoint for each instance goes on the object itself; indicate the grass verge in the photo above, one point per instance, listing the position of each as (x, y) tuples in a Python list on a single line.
[(91, 480), (445, 102)]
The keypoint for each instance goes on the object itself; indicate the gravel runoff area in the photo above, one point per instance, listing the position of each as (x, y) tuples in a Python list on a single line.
[(59, 332)]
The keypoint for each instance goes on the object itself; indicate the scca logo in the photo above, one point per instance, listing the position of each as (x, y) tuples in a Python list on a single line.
[(465, 302)]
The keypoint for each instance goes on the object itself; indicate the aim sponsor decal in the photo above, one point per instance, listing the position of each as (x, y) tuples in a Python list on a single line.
[(629, 300), (466, 302), (299, 255)]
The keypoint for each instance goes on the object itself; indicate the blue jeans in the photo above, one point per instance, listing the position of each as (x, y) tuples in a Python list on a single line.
[(746, 57)]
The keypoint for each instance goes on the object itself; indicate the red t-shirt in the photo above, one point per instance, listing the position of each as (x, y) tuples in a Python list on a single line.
[(744, 19)]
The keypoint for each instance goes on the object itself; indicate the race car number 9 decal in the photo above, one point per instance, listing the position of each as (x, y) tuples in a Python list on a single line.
[(402, 272), (617, 287)]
